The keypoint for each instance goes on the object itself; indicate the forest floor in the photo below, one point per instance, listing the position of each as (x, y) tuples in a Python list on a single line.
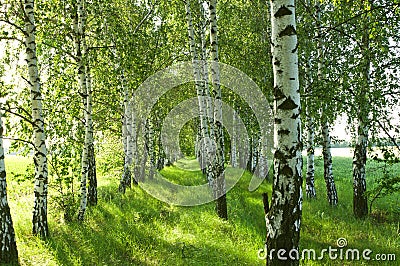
[(136, 229)]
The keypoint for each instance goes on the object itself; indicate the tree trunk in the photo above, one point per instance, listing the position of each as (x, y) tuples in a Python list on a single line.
[(200, 72), (234, 138), (92, 177), (8, 246), (283, 219), (360, 201), (134, 143), (326, 145), (310, 184), (328, 173), (81, 57), (151, 148), (39, 221), (219, 168), (126, 138), (263, 157)]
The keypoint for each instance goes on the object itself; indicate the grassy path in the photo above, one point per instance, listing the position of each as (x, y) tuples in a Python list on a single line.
[(136, 229)]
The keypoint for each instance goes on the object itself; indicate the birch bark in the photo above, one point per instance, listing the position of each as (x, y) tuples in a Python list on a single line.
[(8, 246), (326, 143), (39, 220), (219, 185), (360, 202), (284, 216), (310, 184)]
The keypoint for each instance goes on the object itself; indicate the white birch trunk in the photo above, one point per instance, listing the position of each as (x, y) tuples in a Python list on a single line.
[(263, 157), (360, 201), (126, 137), (310, 183), (81, 57), (200, 83), (204, 70), (39, 221), (283, 219), (92, 178), (328, 173), (134, 143), (326, 144), (219, 168), (151, 148), (8, 246), (234, 157)]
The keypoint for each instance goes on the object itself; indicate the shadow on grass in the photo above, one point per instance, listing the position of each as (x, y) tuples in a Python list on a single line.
[(134, 229)]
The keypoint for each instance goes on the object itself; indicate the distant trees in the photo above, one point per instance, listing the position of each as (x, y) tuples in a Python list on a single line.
[(214, 167), (365, 76)]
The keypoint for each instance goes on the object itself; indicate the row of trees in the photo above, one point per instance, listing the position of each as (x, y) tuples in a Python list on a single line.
[(86, 58)]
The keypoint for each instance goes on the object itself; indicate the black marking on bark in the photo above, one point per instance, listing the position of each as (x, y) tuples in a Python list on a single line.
[(288, 104), (295, 48), (286, 170), (283, 132), (288, 31), (283, 11), (278, 121), (292, 78), (280, 71), (278, 94), (279, 155), (295, 116), (277, 63)]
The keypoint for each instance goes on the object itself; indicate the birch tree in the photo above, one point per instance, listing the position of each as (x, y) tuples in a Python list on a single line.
[(8, 246), (310, 172), (81, 51), (219, 186), (126, 136), (39, 221), (200, 84), (283, 219), (92, 178), (360, 202), (326, 138), (365, 65)]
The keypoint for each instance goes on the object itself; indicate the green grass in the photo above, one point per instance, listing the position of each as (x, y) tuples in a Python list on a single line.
[(136, 229)]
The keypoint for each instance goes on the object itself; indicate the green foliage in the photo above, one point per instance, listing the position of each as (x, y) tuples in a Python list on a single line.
[(28, 174), (110, 156), (388, 182)]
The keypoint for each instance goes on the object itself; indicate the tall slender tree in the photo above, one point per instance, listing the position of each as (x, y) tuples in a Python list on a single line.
[(284, 216), (360, 203), (126, 136), (92, 177), (81, 57), (39, 221), (219, 186), (326, 138), (310, 130)]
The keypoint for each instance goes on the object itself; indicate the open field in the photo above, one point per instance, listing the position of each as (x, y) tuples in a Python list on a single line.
[(136, 229)]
